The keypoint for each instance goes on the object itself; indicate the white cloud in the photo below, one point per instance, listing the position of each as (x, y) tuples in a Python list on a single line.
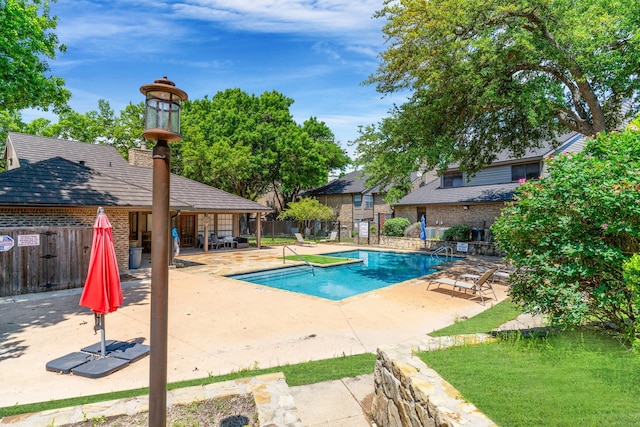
[(302, 16)]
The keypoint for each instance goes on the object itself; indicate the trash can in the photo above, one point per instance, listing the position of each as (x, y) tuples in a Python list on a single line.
[(135, 257)]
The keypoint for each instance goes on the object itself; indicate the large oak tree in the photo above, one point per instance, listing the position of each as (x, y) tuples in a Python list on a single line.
[(488, 75), (248, 145)]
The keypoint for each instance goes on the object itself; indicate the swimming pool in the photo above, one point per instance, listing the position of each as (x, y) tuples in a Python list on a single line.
[(376, 270)]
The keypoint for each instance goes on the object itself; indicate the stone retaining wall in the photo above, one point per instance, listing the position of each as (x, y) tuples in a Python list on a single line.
[(408, 393), (413, 244)]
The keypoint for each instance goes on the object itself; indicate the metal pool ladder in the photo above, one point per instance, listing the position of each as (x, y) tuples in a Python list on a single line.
[(445, 249), (296, 254)]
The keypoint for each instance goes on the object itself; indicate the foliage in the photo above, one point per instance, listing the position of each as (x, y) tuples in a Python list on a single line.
[(306, 211), (487, 76), (395, 227), (570, 232), (27, 42), (461, 233), (101, 126), (248, 145), (631, 275), (413, 230)]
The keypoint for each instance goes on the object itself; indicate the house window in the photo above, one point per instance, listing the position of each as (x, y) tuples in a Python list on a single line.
[(225, 225), (526, 171), (453, 179), (357, 201), (368, 201)]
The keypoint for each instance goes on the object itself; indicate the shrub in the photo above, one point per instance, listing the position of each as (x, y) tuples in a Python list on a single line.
[(413, 230), (395, 227), (461, 233), (631, 275), (572, 231)]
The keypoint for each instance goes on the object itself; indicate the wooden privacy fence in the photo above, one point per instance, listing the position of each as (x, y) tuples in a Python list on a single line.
[(44, 259)]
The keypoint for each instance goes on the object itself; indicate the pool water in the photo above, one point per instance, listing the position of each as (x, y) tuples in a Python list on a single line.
[(377, 270)]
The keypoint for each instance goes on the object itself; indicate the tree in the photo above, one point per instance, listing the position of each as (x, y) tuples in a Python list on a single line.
[(306, 211), (570, 234), (25, 44), (305, 160), (485, 76), (102, 126), (247, 145)]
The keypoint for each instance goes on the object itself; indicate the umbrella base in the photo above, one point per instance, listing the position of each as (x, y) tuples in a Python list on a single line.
[(109, 346), (130, 351), (100, 367), (65, 364), (88, 363)]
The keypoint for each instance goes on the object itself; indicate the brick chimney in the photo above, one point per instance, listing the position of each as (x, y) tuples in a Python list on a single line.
[(141, 157)]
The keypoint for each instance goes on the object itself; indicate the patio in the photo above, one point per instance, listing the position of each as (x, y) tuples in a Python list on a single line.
[(216, 325)]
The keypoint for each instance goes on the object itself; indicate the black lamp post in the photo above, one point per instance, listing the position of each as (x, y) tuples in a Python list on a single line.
[(162, 124)]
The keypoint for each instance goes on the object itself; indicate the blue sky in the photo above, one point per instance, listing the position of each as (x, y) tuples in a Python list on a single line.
[(317, 52)]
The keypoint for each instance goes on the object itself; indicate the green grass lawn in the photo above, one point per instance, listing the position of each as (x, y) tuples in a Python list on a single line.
[(574, 378), (296, 374), (483, 322), (266, 240), (317, 259)]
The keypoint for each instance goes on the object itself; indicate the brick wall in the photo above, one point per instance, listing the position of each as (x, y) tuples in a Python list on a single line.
[(60, 217), (476, 216), (342, 205), (380, 206)]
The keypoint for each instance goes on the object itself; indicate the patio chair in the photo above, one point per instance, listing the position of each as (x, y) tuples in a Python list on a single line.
[(332, 237), (301, 241), (476, 285), (214, 243)]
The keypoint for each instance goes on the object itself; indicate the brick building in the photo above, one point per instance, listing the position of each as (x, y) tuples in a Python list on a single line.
[(59, 184), (457, 198)]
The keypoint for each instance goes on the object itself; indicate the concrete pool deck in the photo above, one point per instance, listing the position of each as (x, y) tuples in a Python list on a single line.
[(218, 325)]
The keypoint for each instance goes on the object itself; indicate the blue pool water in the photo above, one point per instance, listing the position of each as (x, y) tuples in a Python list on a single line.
[(377, 270)]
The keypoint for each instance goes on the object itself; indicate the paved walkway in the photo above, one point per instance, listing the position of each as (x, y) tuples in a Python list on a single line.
[(219, 325)]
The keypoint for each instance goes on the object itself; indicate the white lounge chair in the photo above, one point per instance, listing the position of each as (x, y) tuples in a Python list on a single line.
[(332, 237), (301, 241), (477, 286)]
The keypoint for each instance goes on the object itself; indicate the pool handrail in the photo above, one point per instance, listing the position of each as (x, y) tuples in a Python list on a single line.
[(296, 254), (444, 249)]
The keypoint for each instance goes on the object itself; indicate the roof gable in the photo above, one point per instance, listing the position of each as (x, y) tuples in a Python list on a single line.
[(105, 170), (57, 181), (32, 149), (353, 182)]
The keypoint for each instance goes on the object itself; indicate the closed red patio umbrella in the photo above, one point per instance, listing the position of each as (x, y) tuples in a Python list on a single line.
[(102, 291)]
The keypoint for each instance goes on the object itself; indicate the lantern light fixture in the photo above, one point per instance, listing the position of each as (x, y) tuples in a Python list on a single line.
[(162, 110)]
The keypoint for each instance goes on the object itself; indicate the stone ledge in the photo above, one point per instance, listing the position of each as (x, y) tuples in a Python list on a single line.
[(274, 403), (409, 393)]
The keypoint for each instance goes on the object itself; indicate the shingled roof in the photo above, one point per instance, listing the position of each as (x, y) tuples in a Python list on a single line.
[(75, 172), (432, 194), (353, 182), (59, 182)]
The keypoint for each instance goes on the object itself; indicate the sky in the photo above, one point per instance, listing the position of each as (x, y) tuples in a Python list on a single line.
[(316, 52)]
